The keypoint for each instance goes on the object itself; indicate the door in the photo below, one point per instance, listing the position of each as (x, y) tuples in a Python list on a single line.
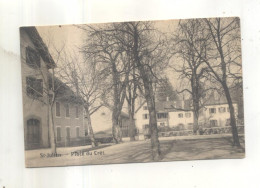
[(33, 133)]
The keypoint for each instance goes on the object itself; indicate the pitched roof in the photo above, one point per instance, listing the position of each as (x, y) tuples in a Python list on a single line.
[(40, 45), (172, 106), (63, 91), (217, 100), (162, 106), (141, 105)]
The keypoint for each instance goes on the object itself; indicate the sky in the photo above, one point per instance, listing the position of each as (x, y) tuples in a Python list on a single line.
[(73, 37)]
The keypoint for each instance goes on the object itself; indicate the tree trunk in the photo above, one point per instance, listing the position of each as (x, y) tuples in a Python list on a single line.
[(116, 129), (131, 124), (232, 116), (149, 96), (51, 120), (117, 105), (154, 131), (131, 129), (195, 100), (90, 129), (195, 112), (52, 130), (195, 122), (226, 89)]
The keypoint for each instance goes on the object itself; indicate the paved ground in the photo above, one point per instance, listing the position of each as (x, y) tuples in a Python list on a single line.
[(172, 148)]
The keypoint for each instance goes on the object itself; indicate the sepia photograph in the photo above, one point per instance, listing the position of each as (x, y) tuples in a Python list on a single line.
[(132, 92)]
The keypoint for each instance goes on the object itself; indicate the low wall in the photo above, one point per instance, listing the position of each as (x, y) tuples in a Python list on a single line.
[(83, 141), (203, 131)]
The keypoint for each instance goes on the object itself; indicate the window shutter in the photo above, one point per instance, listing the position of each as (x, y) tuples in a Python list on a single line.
[(32, 58)]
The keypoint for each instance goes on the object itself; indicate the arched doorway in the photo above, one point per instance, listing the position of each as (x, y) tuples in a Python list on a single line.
[(33, 133)]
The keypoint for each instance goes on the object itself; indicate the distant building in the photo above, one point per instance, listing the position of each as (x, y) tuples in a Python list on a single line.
[(68, 113), (216, 115), (102, 121), (70, 125), (180, 114), (169, 114)]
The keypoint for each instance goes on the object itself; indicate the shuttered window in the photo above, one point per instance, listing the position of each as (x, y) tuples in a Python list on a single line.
[(57, 109), (32, 58), (34, 87)]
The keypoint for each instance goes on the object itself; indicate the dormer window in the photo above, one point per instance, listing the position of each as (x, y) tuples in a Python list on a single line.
[(32, 58)]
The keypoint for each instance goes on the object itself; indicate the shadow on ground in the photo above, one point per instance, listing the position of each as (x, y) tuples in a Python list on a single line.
[(140, 151), (171, 150), (214, 148)]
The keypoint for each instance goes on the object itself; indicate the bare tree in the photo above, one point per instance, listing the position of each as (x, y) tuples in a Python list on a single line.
[(111, 44), (149, 58), (223, 58), (131, 95), (86, 80), (165, 91), (188, 43), (102, 46)]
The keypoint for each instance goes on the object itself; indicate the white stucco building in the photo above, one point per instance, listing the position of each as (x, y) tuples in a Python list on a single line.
[(216, 115), (180, 114)]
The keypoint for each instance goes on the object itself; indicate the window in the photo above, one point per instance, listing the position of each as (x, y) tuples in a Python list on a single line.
[(145, 116), (228, 122), (32, 58), (57, 109), (212, 110), (145, 108), (67, 108), (67, 133), (188, 115), (58, 134), (86, 132), (221, 109), (146, 126), (162, 124), (77, 132), (162, 115), (180, 115), (34, 87), (213, 123), (77, 112)]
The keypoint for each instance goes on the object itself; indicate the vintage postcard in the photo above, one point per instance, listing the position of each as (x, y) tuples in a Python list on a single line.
[(132, 92)]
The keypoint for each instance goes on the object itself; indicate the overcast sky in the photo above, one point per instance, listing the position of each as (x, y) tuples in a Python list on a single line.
[(73, 37)]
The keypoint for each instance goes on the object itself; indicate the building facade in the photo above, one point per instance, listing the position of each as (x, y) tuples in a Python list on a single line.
[(179, 115), (69, 122), (34, 74), (102, 121), (216, 115), (67, 112)]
